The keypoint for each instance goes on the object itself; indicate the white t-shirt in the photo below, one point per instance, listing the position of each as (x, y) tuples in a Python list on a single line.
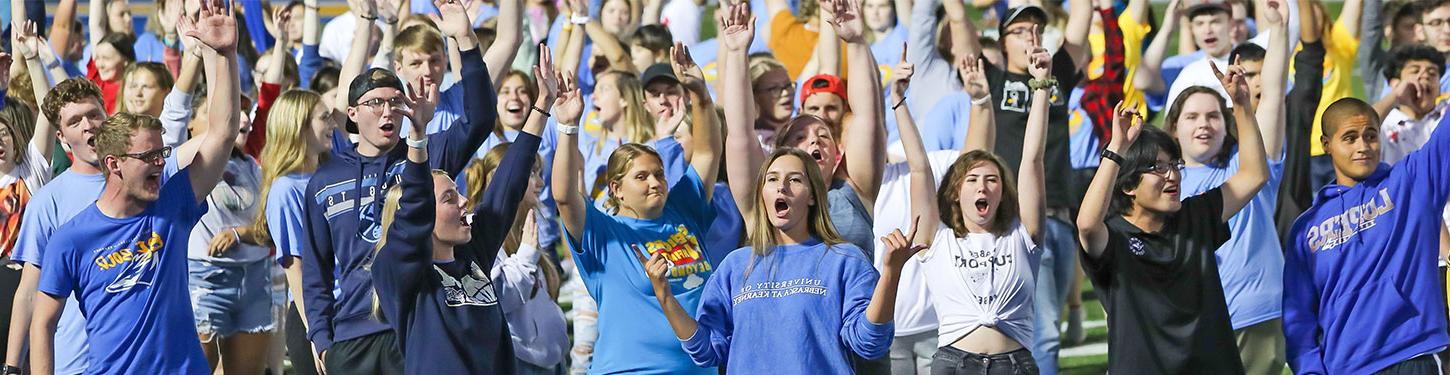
[(682, 17), (35, 171), (1197, 73), (914, 313), (982, 280), (1400, 135)]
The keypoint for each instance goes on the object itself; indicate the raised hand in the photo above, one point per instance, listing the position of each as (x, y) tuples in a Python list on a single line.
[(739, 28), (685, 68), (577, 7), (1233, 83), (418, 106), (280, 18), (845, 17), (363, 8), (531, 230), (901, 247), (1039, 63), (454, 22), (668, 126), (388, 11), (655, 267), (170, 13), (25, 42), (570, 103), (1277, 13), (1127, 124), (901, 76), (974, 77), (214, 27), (546, 78)]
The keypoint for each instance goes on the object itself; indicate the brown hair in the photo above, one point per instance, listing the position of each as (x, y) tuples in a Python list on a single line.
[(157, 70), (114, 137), (479, 176), (70, 91), (421, 38), (948, 196), (1230, 142), (762, 235), (19, 120)]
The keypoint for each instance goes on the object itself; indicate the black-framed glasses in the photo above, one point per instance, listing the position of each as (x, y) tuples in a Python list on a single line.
[(377, 103), (1162, 168), (150, 156), (784, 88)]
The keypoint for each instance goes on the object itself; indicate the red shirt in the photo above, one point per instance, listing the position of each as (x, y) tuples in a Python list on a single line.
[(110, 90)]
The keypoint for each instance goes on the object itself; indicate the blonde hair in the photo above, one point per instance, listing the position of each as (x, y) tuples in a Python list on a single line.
[(761, 64), (289, 124), (638, 122), (762, 236), (618, 165), (157, 70), (114, 137), (479, 176), (420, 38)]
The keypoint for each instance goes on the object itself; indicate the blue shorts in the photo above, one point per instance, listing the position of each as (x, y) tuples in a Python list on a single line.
[(227, 299)]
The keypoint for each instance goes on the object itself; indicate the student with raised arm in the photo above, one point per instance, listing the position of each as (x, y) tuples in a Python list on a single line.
[(343, 200), (1198, 121), (430, 267), (125, 255), (983, 259), (796, 271), (1361, 289), (1154, 254), (649, 213)]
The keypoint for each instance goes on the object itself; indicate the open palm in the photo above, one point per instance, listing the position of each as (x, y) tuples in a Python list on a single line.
[(685, 68), (215, 27), (739, 27), (454, 22), (26, 44)]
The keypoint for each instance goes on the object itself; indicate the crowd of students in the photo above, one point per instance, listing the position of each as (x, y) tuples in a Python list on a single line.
[(825, 186)]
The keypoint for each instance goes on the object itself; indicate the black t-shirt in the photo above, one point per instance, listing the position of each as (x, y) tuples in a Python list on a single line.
[(1166, 310), (1013, 100)]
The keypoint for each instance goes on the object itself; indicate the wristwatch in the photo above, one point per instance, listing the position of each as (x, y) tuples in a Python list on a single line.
[(1113, 156), (12, 370)]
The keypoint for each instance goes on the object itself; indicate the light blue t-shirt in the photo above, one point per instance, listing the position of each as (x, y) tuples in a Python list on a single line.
[(1251, 263), (944, 126), (130, 276), (799, 310), (449, 110), (634, 335), (50, 207), (285, 219), (1082, 140)]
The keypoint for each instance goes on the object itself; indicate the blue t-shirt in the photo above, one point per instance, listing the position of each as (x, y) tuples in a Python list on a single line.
[(50, 207), (1251, 263), (1082, 141), (130, 276), (285, 219), (150, 47), (799, 310), (634, 336), (944, 126)]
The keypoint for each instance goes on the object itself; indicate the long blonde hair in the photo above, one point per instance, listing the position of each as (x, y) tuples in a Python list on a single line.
[(638, 123), (762, 236), (479, 176), (289, 124)]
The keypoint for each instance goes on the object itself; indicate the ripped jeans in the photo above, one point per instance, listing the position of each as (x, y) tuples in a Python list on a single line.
[(227, 299)]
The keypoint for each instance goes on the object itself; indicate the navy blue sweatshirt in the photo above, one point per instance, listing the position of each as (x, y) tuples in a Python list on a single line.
[(345, 199), (446, 314)]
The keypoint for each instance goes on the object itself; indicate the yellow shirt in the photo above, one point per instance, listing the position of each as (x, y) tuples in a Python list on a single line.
[(1339, 48), (1133, 34)]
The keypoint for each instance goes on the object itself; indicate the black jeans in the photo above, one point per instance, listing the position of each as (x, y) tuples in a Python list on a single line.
[(372, 354), (1423, 365), (953, 361)]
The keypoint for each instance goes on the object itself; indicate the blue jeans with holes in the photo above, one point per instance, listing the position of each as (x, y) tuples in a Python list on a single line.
[(1054, 278), (231, 298)]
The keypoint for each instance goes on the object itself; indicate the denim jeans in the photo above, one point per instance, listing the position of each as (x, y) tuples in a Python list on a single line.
[(953, 361), (1054, 278)]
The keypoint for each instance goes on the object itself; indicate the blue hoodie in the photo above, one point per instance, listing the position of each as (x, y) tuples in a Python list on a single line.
[(345, 199), (446, 314), (1361, 289), (800, 309)]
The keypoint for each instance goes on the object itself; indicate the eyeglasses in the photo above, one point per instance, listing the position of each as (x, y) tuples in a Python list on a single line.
[(150, 156), (784, 88), (1437, 23), (377, 103), (1161, 168)]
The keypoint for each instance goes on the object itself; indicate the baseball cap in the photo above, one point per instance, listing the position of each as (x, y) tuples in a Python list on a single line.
[(1015, 13), (658, 72), (372, 79), (823, 83)]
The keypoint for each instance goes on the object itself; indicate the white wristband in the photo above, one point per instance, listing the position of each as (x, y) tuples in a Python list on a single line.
[(417, 143), (578, 19), (982, 101), (567, 129)]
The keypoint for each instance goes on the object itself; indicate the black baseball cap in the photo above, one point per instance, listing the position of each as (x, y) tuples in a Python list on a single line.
[(657, 72), (1015, 13), (372, 79)]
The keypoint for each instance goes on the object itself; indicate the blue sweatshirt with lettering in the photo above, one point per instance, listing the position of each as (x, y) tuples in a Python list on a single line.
[(1361, 289), (343, 204), (801, 309), (446, 313)]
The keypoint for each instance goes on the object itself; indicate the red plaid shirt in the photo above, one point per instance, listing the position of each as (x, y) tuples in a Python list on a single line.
[(1102, 93)]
